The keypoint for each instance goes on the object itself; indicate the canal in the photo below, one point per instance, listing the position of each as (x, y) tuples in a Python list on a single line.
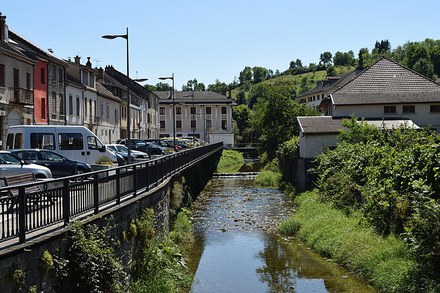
[(237, 248)]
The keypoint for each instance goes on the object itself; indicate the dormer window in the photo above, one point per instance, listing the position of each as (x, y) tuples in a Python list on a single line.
[(88, 79)]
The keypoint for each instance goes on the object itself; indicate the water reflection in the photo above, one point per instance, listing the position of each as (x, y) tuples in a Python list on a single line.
[(237, 251)]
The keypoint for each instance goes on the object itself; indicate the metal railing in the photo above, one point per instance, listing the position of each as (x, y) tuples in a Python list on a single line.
[(58, 201)]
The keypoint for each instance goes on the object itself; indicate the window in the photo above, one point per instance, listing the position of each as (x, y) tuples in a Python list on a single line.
[(43, 108), (102, 109), (162, 111), (162, 124), (193, 124), (60, 75), (42, 141), (43, 76), (389, 109), (208, 110), (61, 105), (108, 111), (193, 110), (28, 81), (85, 77), (54, 73), (2, 75), (434, 108), (223, 110), (94, 143), (70, 141), (77, 107), (409, 109), (85, 106), (116, 116), (70, 105), (224, 124), (54, 102), (208, 124), (178, 110), (179, 124)]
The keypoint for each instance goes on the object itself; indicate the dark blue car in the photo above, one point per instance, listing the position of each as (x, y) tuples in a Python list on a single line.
[(59, 165)]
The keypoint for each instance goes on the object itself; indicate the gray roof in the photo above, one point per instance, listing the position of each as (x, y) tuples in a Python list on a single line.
[(329, 125), (319, 124), (387, 82), (206, 97), (331, 83)]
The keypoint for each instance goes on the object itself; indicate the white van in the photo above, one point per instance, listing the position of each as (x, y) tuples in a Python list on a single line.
[(74, 142)]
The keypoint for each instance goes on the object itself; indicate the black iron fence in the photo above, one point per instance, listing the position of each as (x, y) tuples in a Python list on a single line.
[(30, 207)]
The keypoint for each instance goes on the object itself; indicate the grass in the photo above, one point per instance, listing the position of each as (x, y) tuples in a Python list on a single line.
[(384, 262), (230, 162)]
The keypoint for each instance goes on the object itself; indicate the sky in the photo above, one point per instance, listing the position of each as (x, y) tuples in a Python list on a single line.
[(213, 40)]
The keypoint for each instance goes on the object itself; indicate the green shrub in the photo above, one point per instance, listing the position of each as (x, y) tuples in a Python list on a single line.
[(230, 161)]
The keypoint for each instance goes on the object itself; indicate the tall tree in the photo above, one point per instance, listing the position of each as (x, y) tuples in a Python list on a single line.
[(325, 59), (245, 76), (259, 74), (218, 87)]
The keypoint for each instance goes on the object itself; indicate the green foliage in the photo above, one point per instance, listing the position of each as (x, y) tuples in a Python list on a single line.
[(230, 161), (270, 176), (290, 148), (46, 261), (392, 178), (91, 265), (159, 266), (19, 277), (386, 262)]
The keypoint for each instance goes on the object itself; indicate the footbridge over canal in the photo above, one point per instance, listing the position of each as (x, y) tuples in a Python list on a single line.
[(36, 214)]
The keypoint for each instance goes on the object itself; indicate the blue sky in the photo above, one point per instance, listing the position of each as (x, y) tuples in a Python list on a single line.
[(216, 39)]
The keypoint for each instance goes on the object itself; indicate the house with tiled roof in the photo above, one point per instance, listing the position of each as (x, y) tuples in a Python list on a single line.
[(16, 84), (387, 90), (203, 114), (49, 82), (314, 96)]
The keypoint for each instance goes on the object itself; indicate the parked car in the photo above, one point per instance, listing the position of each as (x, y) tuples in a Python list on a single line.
[(166, 147), (140, 145), (123, 151), (59, 165), (10, 165)]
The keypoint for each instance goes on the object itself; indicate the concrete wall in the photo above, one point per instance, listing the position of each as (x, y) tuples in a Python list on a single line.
[(27, 257), (311, 145)]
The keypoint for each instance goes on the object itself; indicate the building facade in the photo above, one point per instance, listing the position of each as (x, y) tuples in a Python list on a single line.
[(202, 114)]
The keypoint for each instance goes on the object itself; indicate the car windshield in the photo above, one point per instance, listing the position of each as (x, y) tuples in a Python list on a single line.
[(6, 158), (121, 148)]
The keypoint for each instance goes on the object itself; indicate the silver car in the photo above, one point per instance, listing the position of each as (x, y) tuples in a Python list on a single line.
[(10, 165)]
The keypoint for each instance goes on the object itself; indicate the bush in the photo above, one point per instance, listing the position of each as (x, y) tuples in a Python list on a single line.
[(230, 161)]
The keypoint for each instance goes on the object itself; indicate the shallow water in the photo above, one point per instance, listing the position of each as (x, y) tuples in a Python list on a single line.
[(237, 249)]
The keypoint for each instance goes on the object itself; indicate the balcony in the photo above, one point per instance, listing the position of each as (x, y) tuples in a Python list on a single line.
[(23, 96)]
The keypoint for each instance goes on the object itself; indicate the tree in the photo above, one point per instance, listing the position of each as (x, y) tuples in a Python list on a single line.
[(193, 85), (245, 76), (343, 59), (162, 86), (259, 74), (218, 87), (241, 115), (424, 67), (241, 97), (274, 120), (363, 55), (325, 59)]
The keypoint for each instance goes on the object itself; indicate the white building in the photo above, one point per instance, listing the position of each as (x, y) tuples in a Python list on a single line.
[(202, 114)]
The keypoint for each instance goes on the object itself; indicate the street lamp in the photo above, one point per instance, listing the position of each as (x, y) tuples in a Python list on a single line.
[(193, 112), (128, 92), (174, 108)]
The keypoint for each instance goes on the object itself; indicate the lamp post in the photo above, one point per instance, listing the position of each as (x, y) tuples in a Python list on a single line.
[(193, 112), (174, 108), (128, 92)]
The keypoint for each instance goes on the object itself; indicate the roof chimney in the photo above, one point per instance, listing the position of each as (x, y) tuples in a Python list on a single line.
[(3, 28), (89, 64), (77, 60)]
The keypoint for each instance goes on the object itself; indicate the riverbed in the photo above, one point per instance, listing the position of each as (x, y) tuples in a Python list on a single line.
[(237, 248)]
